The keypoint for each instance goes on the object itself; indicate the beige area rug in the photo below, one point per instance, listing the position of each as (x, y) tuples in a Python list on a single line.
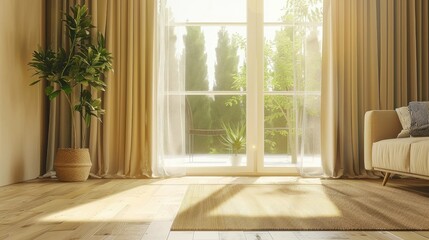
[(329, 205)]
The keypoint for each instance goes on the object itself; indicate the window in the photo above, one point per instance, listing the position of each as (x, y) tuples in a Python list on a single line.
[(239, 83), (292, 70)]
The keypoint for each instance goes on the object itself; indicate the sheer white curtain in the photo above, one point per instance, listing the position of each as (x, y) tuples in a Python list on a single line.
[(308, 138), (169, 106), (307, 65)]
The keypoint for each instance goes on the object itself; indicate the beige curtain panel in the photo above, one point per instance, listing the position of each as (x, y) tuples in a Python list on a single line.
[(375, 56), (120, 146)]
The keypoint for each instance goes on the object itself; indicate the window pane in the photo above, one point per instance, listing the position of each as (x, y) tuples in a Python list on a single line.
[(292, 70), (282, 50), (292, 129), (216, 125), (293, 58), (207, 58), (204, 52), (208, 10), (279, 124)]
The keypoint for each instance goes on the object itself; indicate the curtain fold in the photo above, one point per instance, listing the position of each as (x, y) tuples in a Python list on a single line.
[(374, 57), (169, 154), (121, 145)]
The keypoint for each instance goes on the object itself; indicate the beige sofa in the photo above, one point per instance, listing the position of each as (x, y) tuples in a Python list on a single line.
[(387, 153)]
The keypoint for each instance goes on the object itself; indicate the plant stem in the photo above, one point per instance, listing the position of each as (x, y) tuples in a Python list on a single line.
[(281, 108), (74, 130), (72, 47), (73, 122), (83, 138)]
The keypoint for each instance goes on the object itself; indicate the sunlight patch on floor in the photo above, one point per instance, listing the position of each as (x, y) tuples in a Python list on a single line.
[(297, 204), (126, 206), (276, 201)]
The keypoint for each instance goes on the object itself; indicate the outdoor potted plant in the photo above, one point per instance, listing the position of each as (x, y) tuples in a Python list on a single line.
[(77, 73), (234, 141)]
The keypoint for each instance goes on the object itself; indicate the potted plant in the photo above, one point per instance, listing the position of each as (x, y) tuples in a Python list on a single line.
[(77, 73), (234, 141)]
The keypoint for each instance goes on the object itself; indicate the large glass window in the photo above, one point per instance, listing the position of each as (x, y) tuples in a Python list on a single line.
[(239, 82), (292, 70)]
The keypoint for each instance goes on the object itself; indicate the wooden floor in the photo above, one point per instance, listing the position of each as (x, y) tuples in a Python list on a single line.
[(132, 209)]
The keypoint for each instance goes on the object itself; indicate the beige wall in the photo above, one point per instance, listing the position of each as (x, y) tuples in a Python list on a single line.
[(21, 122)]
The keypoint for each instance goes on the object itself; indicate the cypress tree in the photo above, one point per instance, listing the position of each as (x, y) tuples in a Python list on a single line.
[(225, 70), (198, 107), (226, 62)]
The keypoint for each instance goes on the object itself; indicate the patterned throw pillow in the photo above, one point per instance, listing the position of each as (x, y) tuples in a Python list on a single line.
[(405, 119), (419, 119)]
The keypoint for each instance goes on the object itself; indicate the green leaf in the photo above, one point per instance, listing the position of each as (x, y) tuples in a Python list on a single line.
[(54, 94), (78, 107), (33, 83), (88, 119), (49, 90), (96, 102), (90, 70), (67, 88)]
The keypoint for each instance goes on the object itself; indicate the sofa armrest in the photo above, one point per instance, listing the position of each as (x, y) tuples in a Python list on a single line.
[(379, 125)]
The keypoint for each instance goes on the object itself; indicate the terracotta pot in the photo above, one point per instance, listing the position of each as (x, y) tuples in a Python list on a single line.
[(72, 165)]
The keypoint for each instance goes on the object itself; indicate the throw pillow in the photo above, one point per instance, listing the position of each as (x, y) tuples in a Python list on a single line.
[(419, 119), (405, 119)]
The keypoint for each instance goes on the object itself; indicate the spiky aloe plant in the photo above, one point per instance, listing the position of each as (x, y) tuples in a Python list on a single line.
[(234, 138), (78, 71)]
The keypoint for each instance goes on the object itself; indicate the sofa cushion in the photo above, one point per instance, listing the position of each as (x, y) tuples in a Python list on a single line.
[(419, 158), (394, 154), (405, 119), (419, 112)]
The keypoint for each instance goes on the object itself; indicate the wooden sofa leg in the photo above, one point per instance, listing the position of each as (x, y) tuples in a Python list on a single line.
[(386, 177)]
